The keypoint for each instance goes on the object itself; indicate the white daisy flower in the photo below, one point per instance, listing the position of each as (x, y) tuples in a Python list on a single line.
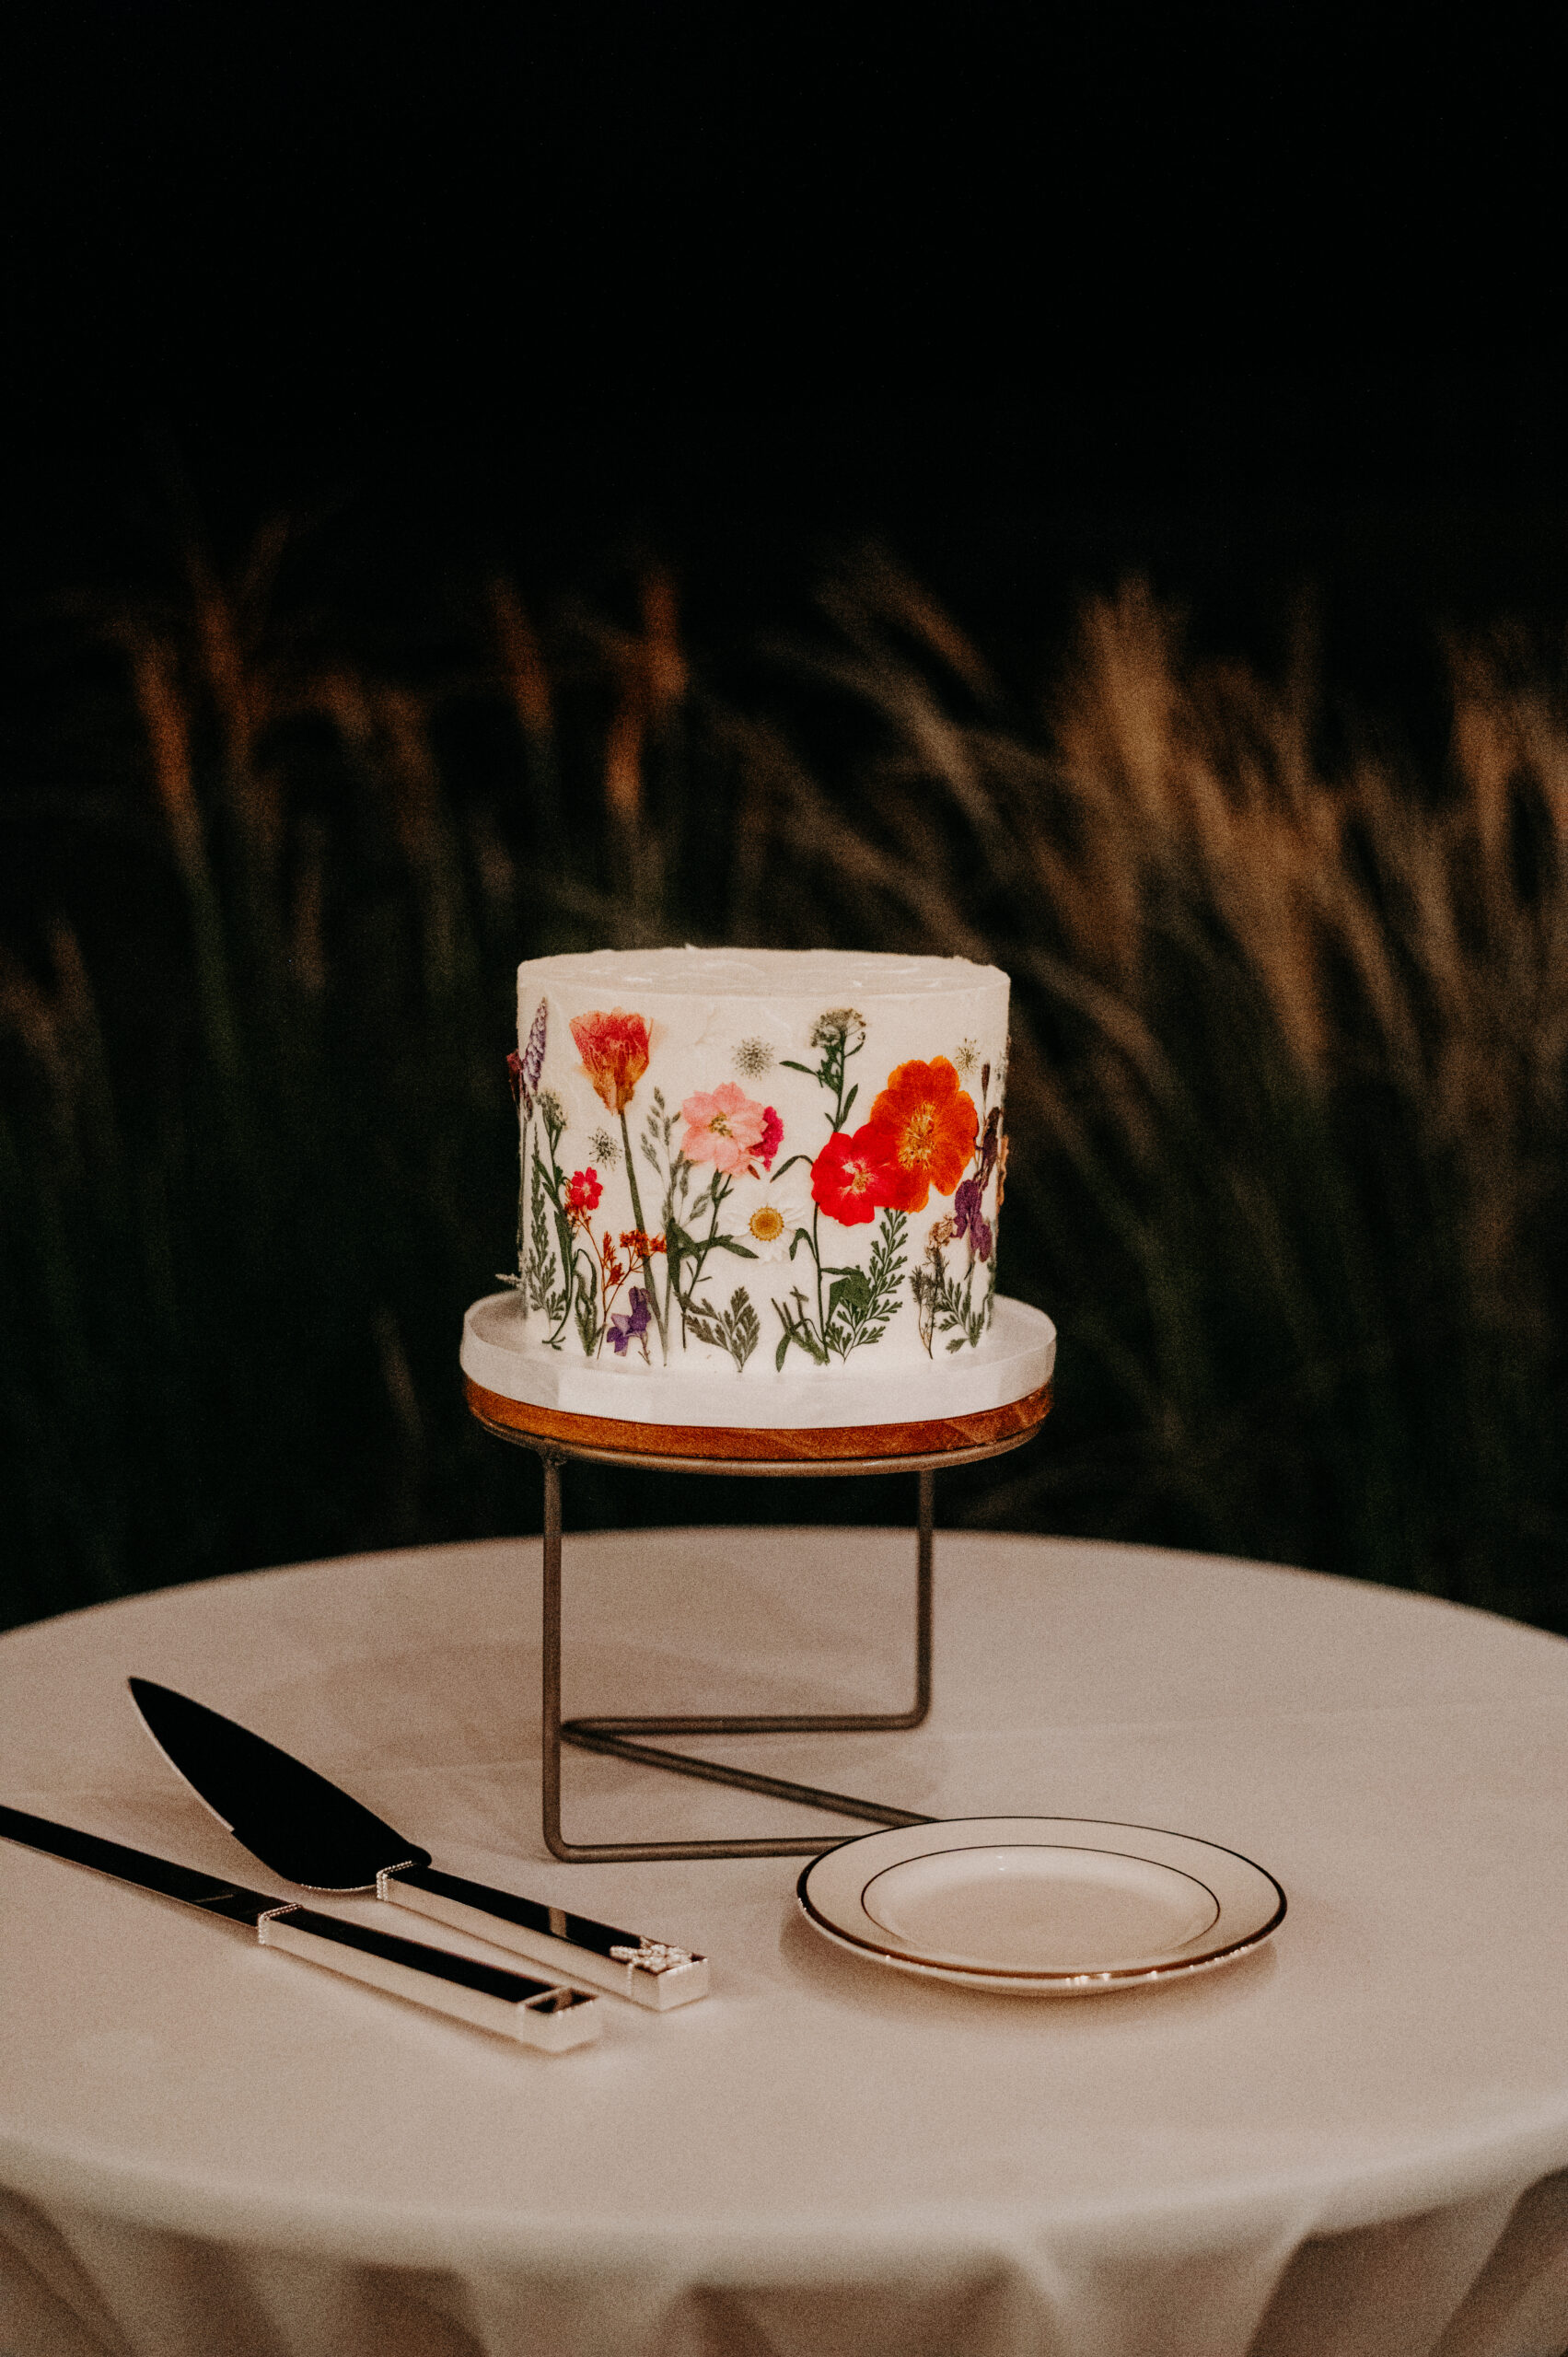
[(768, 1229)]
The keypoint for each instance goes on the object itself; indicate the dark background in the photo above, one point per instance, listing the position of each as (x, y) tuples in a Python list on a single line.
[(1239, 296), (1261, 308)]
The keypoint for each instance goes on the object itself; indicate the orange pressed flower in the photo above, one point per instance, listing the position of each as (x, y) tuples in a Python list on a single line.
[(923, 1127), (614, 1049)]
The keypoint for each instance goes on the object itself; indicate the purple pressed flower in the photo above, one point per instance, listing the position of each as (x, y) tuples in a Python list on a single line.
[(630, 1326), (967, 1220), (523, 1071), (533, 1054)]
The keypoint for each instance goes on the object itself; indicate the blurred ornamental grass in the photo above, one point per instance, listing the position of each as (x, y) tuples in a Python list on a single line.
[(1286, 1094)]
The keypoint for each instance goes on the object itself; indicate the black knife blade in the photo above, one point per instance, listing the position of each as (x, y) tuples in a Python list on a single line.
[(284, 1813), (305, 1828), (531, 2010)]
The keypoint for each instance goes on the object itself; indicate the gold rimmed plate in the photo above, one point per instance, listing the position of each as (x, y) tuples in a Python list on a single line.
[(1040, 1906)]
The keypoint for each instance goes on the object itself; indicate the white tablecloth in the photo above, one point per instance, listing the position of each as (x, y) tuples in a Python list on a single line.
[(1342, 2146)]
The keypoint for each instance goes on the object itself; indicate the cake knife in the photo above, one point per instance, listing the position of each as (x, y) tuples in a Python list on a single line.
[(529, 2011), (307, 1830)]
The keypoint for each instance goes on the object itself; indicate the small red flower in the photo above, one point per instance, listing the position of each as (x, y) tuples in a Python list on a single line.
[(850, 1178), (771, 1137), (583, 1192)]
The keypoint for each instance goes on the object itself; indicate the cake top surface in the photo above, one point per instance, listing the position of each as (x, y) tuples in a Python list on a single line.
[(806, 974)]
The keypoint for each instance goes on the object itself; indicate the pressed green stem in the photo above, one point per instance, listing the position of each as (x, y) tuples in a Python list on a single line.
[(816, 1257), (523, 1213), (699, 1258), (659, 1314)]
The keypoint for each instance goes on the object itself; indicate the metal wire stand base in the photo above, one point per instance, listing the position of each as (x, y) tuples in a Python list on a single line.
[(614, 1735), (922, 1449)]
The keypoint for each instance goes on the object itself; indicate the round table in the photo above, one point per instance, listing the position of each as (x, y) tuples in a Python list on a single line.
[(1346, 2142)]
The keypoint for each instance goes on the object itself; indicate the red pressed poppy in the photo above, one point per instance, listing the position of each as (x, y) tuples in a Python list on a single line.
[(849, 1178), (921, 1131), (614, 1049)]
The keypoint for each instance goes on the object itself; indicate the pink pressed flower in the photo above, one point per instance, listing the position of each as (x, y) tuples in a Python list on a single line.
[(723, 1127), (771, 1140)]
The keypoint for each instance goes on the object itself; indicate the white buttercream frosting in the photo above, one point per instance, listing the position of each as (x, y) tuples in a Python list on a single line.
[(769, 1167), (831, 976)]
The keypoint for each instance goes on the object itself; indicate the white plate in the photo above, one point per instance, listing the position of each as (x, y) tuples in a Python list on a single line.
[(1060, 1906)]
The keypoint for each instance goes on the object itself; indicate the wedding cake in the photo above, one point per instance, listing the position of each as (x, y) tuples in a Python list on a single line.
[(758, 1188)]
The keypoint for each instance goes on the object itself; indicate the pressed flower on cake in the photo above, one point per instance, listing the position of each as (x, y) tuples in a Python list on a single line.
[(945, 1303), (583, 1196), (848, 1178), (967, 1219), (618, 1328), (630, 1325), (728, 1128), (922, 1133), (652, 1168), (614, 1049), (768, 1228), (524, 1070)]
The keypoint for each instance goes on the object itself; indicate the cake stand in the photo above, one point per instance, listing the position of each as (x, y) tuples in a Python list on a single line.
[(923, 1446)]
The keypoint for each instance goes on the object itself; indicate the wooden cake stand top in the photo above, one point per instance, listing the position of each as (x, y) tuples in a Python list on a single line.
[(731, 1448)]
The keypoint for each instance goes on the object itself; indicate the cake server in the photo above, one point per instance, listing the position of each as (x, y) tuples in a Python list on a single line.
[(308, 1832), (529, 2011)]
